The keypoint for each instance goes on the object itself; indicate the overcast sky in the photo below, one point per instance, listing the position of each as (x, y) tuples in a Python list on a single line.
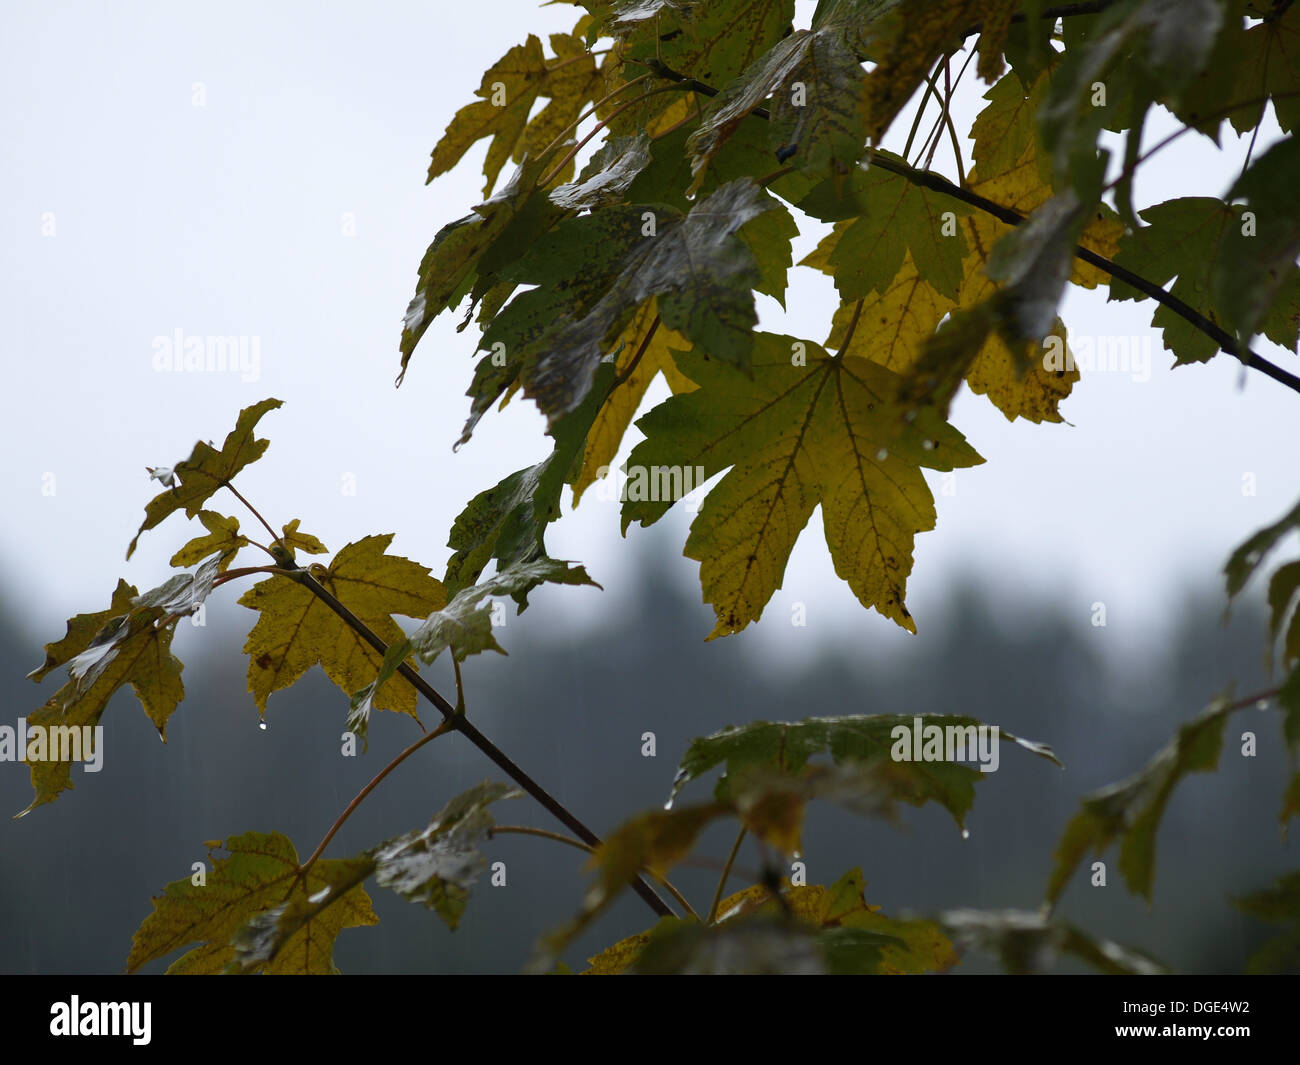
[(257, 170)]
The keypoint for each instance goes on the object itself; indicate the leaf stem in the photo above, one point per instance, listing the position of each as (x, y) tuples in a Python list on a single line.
[(853, 326), (636, 358), (726, 873), (275, 537), (564, 161), (589, 112)]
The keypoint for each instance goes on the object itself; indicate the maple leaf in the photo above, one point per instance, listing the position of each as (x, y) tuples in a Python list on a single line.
[(827, 432), (1131, 810), (817, 115), (1141, 52), (710, 42), (596, 271), (1188, 238), (1256, 281), (128, 643), (895, 220), (259, 873), (436, 865), (1277, 904), (507, 523), (508, 91), (1029, 942), (650, 342), (864, 740), (812, 928), (608, 176), (907, 40), (300, 541), (895, 324), (223, 538), (207, 470), (296, 630), (451, 265)]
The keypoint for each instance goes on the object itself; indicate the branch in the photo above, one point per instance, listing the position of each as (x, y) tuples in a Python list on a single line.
[(1219, 335), (456, 722), (925, 179)]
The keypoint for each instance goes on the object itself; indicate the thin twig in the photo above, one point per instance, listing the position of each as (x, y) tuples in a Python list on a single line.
[(726, 873), (442, 729), (275, 536)]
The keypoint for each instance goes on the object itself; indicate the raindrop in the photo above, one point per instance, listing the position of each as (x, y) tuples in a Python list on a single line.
[(1262, 704), (320, 896), (881, 455), (262, 725), (965, 833), (928, 445)]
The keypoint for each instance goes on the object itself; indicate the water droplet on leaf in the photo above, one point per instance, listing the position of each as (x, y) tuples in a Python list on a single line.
[(882, 454), (262, 725), (965, 833)]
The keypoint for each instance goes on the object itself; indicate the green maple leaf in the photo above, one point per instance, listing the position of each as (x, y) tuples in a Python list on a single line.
[(295, 630), (795, 436), (451, 265), (437, 865), (599, 270), (1131, 810), (258, 874), (1132, 48), (507, 523), (895, 219), (817, 116), (711, 42), (1256, 280), (607, 177), (1249, 68), (206, 470), (786, 748), (1189, 238)]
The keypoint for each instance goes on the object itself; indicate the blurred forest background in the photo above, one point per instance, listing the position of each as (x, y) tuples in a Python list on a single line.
[(76, 877)]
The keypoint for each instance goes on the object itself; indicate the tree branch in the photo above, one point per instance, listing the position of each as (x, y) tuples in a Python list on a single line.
[(937, 183), (459, 723)]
